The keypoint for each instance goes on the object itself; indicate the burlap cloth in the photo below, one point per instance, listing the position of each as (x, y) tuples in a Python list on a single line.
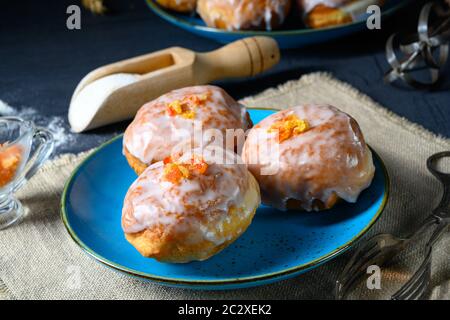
[(37, 256)]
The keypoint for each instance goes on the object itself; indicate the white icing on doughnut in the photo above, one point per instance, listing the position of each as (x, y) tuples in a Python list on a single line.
[(245, 14), (199, 205), (330, 157), (154, 134)]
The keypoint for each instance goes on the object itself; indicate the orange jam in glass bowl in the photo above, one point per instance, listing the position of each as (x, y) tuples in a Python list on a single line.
[(23, 150), (10, 160)]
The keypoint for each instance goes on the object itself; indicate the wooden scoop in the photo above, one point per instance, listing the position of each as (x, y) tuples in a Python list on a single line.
[(165, 70)]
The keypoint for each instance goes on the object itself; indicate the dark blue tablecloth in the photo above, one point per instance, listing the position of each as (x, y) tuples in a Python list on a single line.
[(41, 61)]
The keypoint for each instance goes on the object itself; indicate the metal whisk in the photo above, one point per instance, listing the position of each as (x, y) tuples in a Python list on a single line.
[(425, 51)]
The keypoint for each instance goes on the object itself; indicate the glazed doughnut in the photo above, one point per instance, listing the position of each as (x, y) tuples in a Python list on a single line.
[(181, 119), (190, 208), (327, 13), (312, 155), (178, 5), (324, 13), (244, 14)]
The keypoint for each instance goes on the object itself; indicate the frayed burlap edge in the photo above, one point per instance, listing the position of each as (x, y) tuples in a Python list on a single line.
[(5, 294)]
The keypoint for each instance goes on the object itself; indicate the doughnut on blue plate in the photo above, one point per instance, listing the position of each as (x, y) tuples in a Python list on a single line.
[(292, 35), (276, 246)]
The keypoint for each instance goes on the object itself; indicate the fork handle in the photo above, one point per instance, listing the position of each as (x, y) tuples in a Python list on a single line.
[(443, 210)]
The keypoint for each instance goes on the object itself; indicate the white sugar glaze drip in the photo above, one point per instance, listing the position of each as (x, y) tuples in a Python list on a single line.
[(331, 157), (308, 5), (154, 135), (195, 204), (249, 13)]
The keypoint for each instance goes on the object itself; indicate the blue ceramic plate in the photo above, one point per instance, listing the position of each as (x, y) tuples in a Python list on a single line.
[(293, 35), (277, 245)]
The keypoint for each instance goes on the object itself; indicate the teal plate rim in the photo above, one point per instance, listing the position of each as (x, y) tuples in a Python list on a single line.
[(209, 283), (172, 17)]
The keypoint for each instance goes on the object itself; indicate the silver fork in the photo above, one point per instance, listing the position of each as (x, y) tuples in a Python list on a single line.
[(383, 247)]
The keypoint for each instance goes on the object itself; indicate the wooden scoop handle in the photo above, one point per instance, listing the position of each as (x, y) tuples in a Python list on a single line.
[(242, 58)]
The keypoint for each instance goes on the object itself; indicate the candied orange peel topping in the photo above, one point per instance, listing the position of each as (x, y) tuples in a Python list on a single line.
[(10, 157), (198, 164), (289, 127), (174, 172), (186, 107)]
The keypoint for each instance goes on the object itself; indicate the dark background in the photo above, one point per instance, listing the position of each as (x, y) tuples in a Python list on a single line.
[(41, 61)]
